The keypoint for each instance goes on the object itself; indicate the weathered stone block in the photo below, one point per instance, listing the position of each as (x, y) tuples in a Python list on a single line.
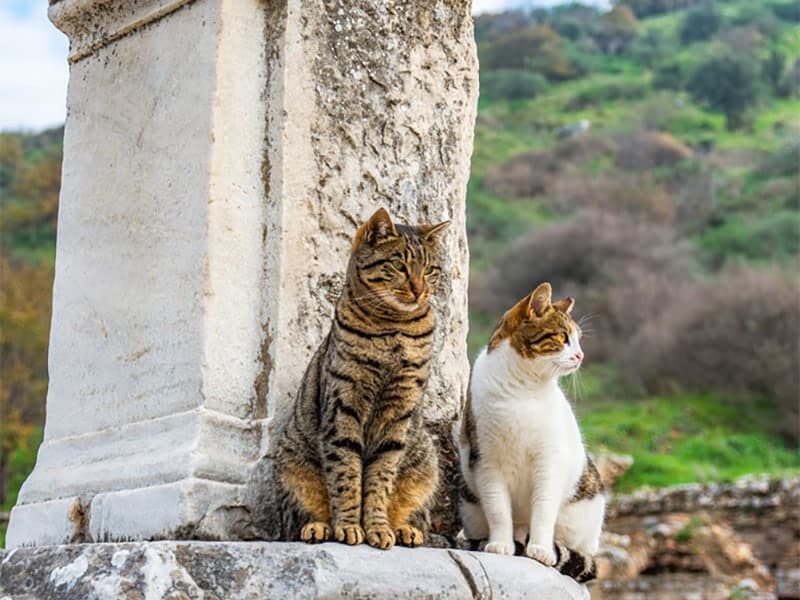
[(262, 571), (218, 155)]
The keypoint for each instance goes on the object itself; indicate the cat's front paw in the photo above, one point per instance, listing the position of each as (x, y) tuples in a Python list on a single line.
[(315, 532), (500, 548), (349, 534), (543, 554), (407, 535), (380, 536)]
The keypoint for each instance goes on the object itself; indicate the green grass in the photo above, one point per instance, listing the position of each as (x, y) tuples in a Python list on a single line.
[(687, 438)]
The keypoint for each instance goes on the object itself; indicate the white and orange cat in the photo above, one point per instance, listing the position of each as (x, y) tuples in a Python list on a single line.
[(526, 472)]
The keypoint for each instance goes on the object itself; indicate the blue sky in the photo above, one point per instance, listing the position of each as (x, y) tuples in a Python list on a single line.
[(33, 67), (33, 61)]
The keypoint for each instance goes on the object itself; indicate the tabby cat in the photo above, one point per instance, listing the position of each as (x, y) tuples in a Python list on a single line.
[(355, 461), (527, 475)]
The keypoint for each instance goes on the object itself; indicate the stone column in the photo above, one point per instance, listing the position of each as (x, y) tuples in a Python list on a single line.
[(218, 156)]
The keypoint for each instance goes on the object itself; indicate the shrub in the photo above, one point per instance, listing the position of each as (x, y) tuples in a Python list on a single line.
[(647, 8), (649, 48), (604, 92), (619, 27), (644, 150), (533, 173), (618, 269), (635, 194), (783, 162), (537, 49), (670, 75), (728, 83), (525, 175), (511, 84), (789, 85), (737, 333), (771, 237), (700, 23), (787, 11)]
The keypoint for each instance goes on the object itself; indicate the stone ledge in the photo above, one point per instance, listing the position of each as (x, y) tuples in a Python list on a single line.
[(263, 570)]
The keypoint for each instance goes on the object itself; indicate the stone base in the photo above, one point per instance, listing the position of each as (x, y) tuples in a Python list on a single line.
[(192, 508), (262, 570)]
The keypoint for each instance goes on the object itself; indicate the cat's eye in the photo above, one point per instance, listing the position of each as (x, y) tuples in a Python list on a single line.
[(399, 265), (429, 270)]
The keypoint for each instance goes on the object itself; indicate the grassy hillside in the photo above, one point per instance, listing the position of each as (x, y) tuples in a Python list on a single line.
[(698, 208)]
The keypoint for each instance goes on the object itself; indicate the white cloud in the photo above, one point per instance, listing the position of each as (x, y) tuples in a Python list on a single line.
[(33, 69)]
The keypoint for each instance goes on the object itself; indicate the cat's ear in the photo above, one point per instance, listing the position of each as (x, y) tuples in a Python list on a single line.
[(564, 304), (539, 299), (376, 229), (431, 233)]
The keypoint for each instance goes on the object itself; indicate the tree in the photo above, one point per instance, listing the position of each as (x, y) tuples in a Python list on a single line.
[(618, 30), (24, 328), (10, 159), (538, 49), (30, 206), (773, 68), (727, 83), (701, 23), (511, 84), (648, 8)]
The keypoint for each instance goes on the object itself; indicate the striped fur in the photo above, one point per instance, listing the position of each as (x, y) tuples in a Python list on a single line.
[(528, 482), (355, 461)]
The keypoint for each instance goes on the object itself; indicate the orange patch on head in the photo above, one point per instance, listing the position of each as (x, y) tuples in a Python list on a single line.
[(535, 325)]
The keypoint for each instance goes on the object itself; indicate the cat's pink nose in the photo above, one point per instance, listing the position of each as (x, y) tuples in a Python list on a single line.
[(579, 356)]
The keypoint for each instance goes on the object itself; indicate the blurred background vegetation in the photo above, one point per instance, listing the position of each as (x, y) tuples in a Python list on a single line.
[(645, 160)]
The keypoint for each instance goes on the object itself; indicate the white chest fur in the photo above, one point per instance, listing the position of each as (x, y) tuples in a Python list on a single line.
[(524, 422)]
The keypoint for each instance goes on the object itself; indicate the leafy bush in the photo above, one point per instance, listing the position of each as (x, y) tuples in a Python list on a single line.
[(700, 23), (24, 328), (737, 333), (670, 75), (650, 48), (572, 21), (758, 16), (637, 195), (783, 162), (788, 11), (619, 28), (618, 269), (648, 8), (727, 83), (512, 84), (533, 173), (773, 68), (538, 49), (771, 237), (603, 92), (645, 150)]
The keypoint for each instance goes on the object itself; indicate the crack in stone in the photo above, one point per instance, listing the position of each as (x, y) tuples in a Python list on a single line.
[(477, 594)]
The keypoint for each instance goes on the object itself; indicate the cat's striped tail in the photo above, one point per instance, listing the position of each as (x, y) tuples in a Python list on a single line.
[(579, 566)]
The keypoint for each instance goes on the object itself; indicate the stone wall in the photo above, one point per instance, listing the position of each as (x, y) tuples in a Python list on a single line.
[(715, 540)]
